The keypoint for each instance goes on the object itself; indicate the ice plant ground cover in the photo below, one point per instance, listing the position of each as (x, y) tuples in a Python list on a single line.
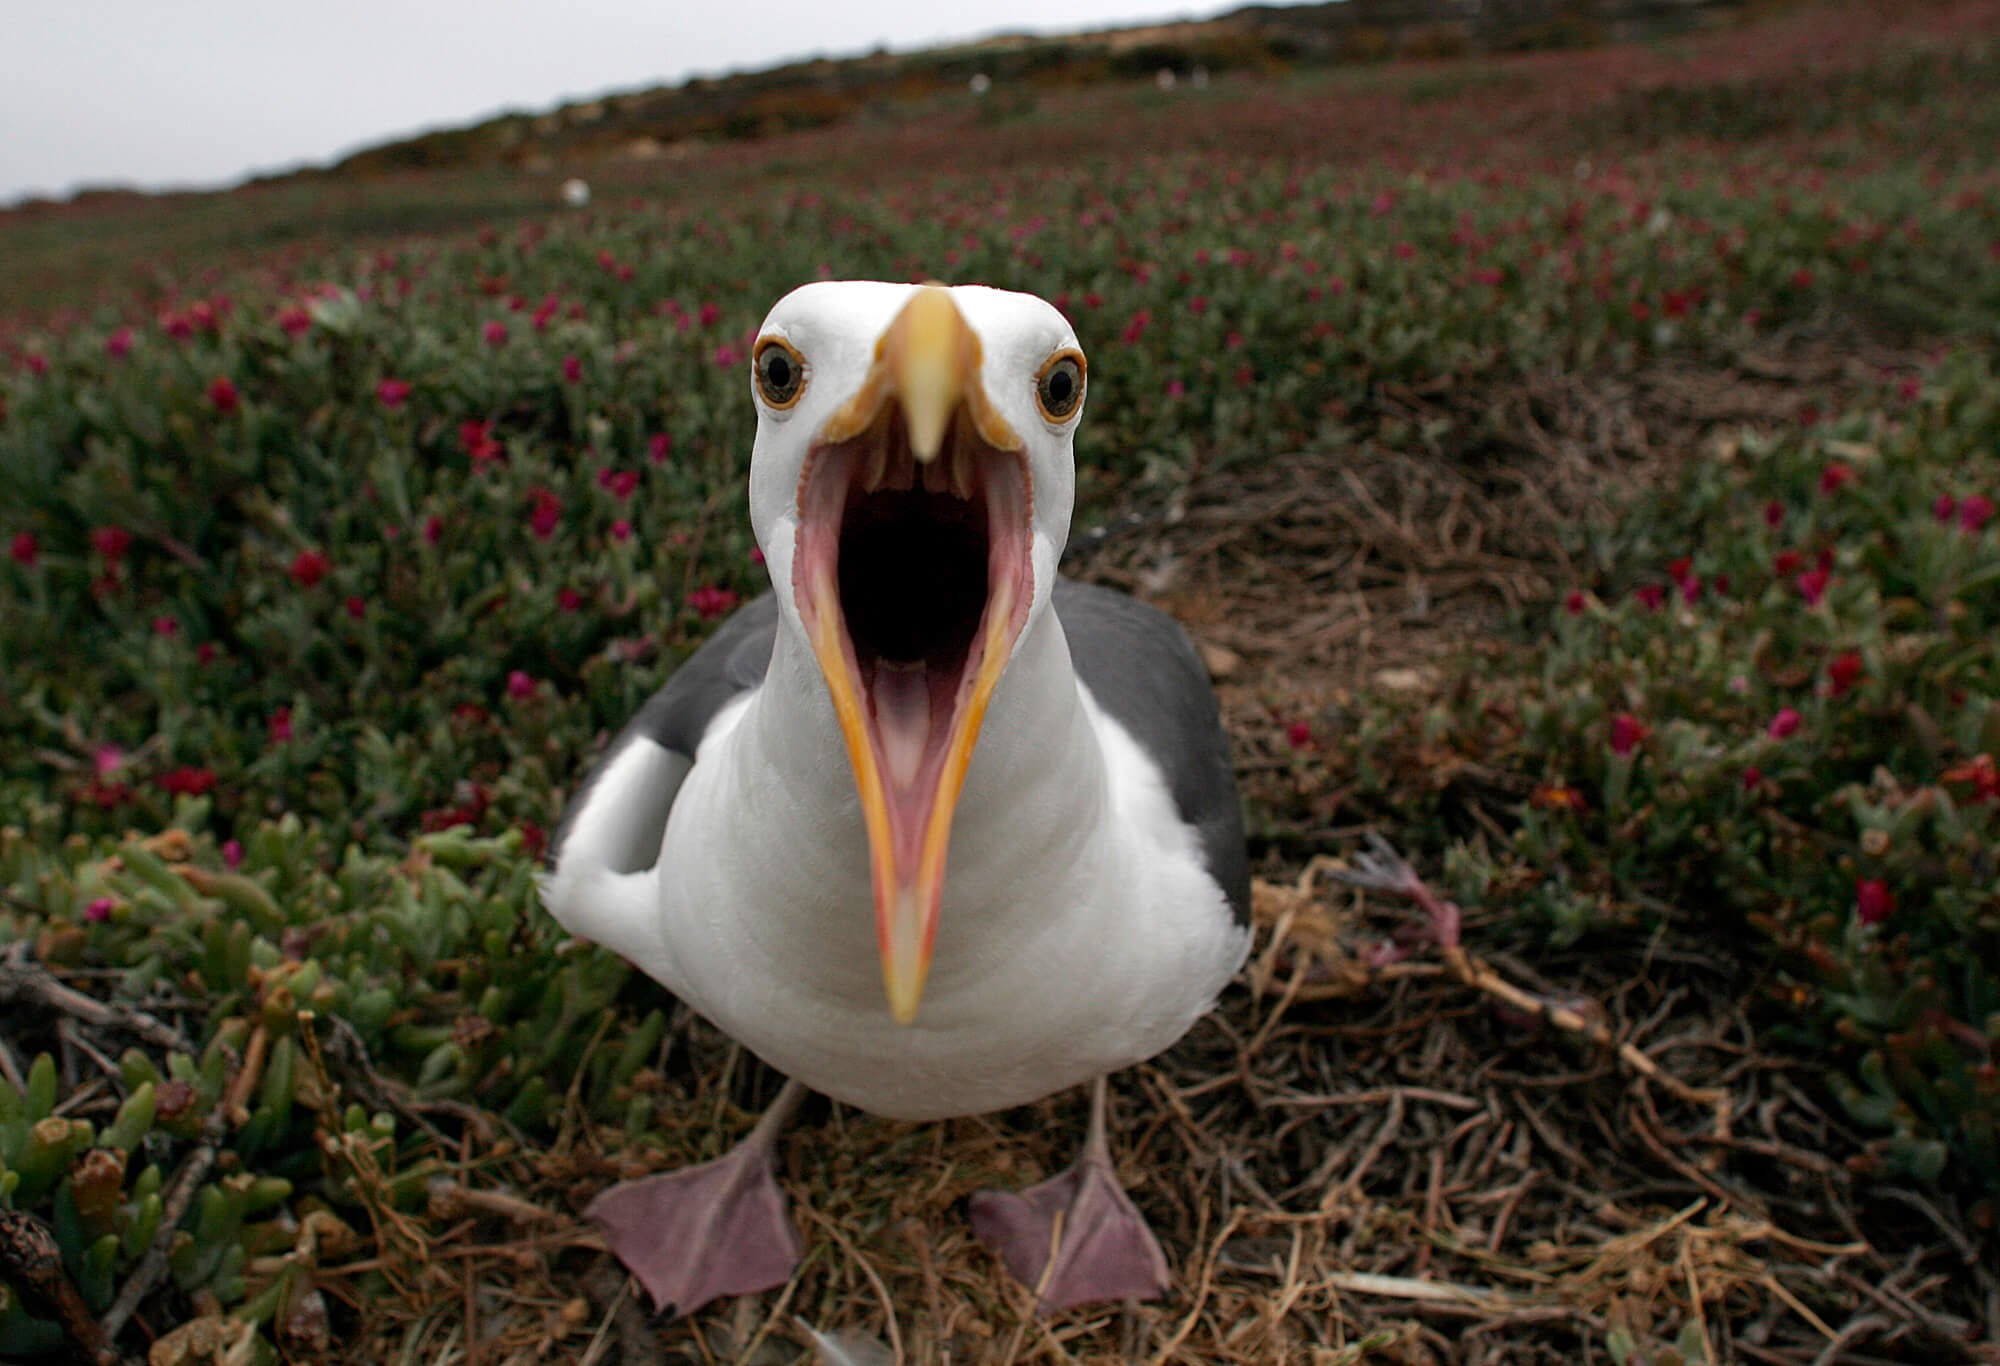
[(1579, 469)]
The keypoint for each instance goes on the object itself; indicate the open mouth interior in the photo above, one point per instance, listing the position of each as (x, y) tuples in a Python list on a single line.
[(922, 565)]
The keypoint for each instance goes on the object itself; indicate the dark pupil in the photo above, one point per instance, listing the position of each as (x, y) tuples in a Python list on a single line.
[(777, 370), (1060, 387)]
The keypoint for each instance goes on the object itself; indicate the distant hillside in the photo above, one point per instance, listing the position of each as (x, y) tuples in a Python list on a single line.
[(670, 122)]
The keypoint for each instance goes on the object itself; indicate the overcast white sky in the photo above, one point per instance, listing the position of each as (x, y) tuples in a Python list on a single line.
[(204, 92)]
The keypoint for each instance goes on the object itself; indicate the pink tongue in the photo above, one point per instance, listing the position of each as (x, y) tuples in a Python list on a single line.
[(902, 695)]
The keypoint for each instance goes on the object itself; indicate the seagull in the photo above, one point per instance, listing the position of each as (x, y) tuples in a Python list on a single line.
[(927, 828)]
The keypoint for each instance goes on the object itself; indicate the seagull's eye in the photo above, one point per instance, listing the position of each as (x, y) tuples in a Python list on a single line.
[(781, 372), (1059, 388)]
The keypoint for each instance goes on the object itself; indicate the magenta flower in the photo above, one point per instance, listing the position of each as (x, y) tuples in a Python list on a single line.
[(572, 369), (390, 393), (357, 606), (1752, 776), (1873, 901), (1299, 735), (295, 320), (1974, 512), (185, 781), (710, 602), (1774, 514), (1784, 725), (1575, 603), (25, 549), (1835, 477), (546, 513), (1651, 596), (520, 685), (433, 529), (222, 394), (167, 627), (232, 852), (99, 911), (569, 600), (494, 334), (309, 567), (621, 530), (119, 344), (659, 448), (1812, 585), (1844, 671), (1627, 731), (111, 542), (281, 725)]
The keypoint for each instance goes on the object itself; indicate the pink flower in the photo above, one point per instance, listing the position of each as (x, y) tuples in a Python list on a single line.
[(1575, 602), (1945, 508), (295, 320), (281, 725), (1835, 477), (357, 606), (1974, 512), (25, 549), (99, 910), (1812, 585), (1774, 514), (1784, 725), (232, 853), (1176, 389), (1844, 671), (520, 686), (205, 652), (569, 600), (710, 602), (1298, 735), (621, 530), (1136, 328), (111, 542), (1752, 776), (494, 334), (1873, 901), (572, 369), (711, 314), (726, 357), (1651, 596), (433, 529), (309, 567), (659, 448), (390, 393), (106, 760), (222, 394), (119, 344), (1626, 733), (167, 627)]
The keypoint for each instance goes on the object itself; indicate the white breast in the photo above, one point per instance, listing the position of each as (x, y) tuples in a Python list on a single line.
[(1048, 972)]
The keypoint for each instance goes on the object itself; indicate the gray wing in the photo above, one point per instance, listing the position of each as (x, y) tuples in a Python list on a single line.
[(730, 663), (1144, 671)]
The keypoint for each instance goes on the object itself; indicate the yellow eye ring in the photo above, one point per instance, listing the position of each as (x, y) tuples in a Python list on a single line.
[(780, 372), (1059, 385)]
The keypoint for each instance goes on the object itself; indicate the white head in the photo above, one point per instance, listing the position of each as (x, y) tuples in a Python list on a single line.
[(911, 489)]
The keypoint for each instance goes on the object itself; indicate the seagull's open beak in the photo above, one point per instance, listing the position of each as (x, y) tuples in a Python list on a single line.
[(913, 580)]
